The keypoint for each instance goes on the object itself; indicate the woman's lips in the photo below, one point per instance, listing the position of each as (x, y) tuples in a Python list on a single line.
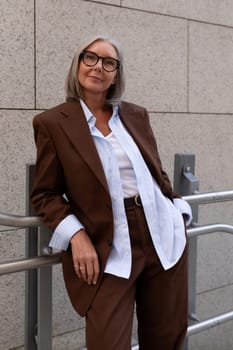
[(95, 78)]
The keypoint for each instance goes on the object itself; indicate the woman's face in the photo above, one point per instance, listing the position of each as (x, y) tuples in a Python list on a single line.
[(95, 79)]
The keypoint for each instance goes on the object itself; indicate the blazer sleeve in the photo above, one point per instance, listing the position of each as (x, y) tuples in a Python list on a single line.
[(48, 190), (165, 183)]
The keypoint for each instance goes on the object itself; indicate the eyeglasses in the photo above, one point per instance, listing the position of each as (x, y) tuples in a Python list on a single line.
[(90, 59)]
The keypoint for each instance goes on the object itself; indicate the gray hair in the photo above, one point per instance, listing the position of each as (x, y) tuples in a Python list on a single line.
[(74, 90)]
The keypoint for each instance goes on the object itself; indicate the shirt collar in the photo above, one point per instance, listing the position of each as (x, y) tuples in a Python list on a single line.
[(89, 115)]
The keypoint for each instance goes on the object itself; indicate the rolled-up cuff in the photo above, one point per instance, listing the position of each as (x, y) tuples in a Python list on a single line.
[(185, 209), (64, 231)]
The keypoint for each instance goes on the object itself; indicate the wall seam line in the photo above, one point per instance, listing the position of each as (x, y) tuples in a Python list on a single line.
[(35, 82), (162, 14), (188, 62)]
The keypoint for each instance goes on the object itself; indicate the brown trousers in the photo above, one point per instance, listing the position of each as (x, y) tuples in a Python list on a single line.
[(160, 296)]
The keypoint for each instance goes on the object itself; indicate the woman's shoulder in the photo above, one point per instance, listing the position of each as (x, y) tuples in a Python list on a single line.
[(53, 114)]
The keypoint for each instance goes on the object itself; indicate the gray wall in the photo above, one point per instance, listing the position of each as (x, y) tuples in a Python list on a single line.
[(179, 61)]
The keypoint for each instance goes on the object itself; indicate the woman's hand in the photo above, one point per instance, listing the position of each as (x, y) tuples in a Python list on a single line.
[(85, 258)]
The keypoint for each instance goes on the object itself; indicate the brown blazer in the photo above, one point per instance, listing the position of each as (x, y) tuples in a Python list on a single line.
[(68, 163)]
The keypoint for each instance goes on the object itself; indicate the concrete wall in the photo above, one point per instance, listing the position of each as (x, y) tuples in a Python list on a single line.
[(179, 62)]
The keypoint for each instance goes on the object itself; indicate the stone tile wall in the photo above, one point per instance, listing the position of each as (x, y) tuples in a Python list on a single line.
[(179, 65)]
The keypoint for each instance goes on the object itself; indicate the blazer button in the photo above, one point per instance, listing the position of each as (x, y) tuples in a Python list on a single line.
[(108, 206), (109, 241)]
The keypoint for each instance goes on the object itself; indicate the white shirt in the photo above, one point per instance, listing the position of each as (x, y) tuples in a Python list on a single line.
[(164, 218), (127, 174)]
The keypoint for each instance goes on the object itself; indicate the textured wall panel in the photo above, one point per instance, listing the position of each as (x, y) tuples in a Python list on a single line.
[(215, 11), (17, 149), (17, 54), (212, 304), (16, 144), (208, 136), (12, 310), (155, 51), (211, 69)]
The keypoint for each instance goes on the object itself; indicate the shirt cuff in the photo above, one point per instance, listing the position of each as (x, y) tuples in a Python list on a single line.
[(64, 231), (185, 209)]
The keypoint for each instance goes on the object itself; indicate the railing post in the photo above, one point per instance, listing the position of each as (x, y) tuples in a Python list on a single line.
[(44, 302), (30, 325), (38, 285), (185, 183)]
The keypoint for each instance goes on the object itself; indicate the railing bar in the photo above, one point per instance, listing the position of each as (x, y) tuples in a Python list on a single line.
[(212, 197), (28, 264), (209, 323), (196, 231), (32, 263), (204, 325), (31, 221), (19, 221)]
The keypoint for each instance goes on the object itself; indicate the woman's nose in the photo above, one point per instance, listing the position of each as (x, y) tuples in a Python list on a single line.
[(99, 64)]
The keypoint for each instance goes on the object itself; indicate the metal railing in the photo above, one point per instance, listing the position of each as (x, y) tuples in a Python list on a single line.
[(40, 261), (45, 259), (50, 259)]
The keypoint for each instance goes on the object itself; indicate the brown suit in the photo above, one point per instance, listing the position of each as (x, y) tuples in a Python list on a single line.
[(67, 162)]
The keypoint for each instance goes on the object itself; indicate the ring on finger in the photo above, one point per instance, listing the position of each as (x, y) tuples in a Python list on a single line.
[(78, 267)]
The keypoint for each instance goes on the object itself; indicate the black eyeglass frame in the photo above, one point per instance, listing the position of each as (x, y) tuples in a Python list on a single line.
[(81, 57)]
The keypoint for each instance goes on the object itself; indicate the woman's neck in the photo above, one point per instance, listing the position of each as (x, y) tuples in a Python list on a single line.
[(97, 105)]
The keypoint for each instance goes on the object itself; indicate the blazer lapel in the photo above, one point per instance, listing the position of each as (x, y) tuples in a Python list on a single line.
[(76, 128), (142, 136), (131, 123), (136, 127)]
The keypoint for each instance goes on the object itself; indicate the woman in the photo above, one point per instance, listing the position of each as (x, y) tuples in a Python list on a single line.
[(100, 186)]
